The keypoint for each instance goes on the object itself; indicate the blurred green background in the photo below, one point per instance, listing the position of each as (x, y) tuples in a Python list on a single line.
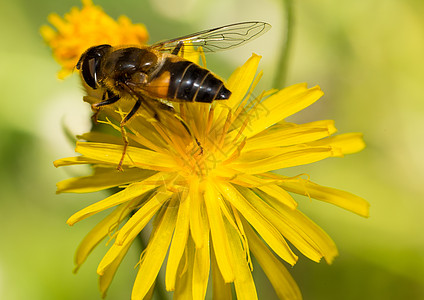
[(368, 57)]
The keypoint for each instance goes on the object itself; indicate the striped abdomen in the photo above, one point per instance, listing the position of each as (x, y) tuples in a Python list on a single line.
[(190, 82)]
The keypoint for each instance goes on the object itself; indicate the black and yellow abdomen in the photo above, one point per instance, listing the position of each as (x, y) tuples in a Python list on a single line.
[(189, 82)]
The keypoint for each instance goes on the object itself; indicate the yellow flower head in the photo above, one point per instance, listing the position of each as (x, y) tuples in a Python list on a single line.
[(203, 174), (81, 29), (213, 200)]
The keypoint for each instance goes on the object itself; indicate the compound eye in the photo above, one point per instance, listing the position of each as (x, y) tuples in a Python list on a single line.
[(89, 64), (92, 65), (89, 71)]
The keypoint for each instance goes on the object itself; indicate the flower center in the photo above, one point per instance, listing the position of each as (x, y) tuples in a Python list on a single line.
[(210, 142)]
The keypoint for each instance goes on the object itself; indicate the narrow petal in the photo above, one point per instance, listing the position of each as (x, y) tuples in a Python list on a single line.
[(178, 244), (220, 289), (267, 153), (131, 192), (142, 216), (279, 194), (287, 134), (307, 235), (201, 270), (106, 279), (111, 154), (281, 105), (184, 284), (198, 226), (257, 161), (268, 232), (103, 178), (131, 230), (337, 197), (191, 53), (347, 143), (150, 293), (241, 79), (99, 232), (219, 235), (155, 253), (284, 284), (77, 160), (243, 283), (300, 231), (268, 186)]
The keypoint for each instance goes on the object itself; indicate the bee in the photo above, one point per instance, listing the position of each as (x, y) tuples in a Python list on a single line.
[(159, 73)]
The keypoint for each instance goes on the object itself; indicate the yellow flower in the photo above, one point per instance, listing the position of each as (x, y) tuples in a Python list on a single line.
[(81, 29), (203, 174), (213, 200)]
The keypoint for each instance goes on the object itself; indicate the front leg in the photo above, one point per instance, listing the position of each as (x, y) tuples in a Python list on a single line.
[(124, 133), (112, 98)]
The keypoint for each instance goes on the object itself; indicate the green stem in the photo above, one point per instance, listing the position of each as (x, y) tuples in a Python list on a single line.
[(282, 67)]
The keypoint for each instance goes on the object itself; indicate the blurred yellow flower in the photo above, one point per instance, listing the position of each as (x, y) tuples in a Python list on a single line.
[(210, 190), (81, 29)]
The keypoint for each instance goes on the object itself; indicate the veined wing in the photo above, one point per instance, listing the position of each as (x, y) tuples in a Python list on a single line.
[(217, 39)]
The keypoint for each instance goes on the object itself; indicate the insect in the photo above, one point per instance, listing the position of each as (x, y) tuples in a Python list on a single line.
[(157, 72)]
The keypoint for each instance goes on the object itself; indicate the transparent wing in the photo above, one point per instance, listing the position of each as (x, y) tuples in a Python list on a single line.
[(217, 39)]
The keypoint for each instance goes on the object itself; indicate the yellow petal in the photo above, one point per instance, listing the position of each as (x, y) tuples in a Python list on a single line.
[(178, 244), (281, 105), (77, 160), (191, 53), (99, 232), (243, 283), (103, 178), (311, 240), (131, 230), (106, 279), (201, 270), (266, 185), (261, 161), (150, 293), (268, 232), (47, 33), (218, 233), (155, 253), (292, 232), (198, 226), (284, 284), (241, 79), (184, 284), (142, 216), (340, 198), (220, 289), (111, 154), (347, 143), (129, 193), (287, 134), (279, 194)]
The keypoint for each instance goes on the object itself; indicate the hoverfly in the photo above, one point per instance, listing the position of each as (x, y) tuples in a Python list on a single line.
[(149, 74)]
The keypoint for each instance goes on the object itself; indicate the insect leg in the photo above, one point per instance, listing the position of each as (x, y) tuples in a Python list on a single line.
[(96, 106), (177, 49), (187, 128), (124, 133)]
